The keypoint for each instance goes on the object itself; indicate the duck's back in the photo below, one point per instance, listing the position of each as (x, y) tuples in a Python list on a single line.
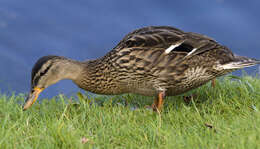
[(157, 58)]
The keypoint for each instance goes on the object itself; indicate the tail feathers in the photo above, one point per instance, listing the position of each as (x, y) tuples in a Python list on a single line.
[(240, 62)]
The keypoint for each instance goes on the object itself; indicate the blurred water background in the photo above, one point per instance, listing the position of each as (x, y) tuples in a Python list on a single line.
[(88, 29)]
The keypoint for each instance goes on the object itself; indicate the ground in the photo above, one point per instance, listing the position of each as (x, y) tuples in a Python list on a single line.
[(225, 117)]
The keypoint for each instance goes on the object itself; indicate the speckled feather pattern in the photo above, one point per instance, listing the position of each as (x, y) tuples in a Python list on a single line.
[(139, 63)]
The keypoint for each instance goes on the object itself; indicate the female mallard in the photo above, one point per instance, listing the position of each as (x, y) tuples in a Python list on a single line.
[(152, 61)]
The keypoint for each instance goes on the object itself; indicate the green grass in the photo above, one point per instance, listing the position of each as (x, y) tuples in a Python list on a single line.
[(225, 117)]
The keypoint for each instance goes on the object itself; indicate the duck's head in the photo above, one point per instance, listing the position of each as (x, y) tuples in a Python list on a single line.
[(49, 70)]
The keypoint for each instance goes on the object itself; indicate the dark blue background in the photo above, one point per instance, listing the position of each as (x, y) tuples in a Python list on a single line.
[(84, 29)]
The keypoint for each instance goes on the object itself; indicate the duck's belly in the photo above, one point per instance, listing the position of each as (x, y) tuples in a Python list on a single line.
[(172, 91), (179, 89), (192, 78), (182, 87), (145, 89)]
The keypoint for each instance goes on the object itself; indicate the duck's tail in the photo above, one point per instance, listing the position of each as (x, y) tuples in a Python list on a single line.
[(241, 62)]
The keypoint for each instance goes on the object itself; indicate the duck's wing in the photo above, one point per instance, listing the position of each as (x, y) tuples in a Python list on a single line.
[(168, 39)]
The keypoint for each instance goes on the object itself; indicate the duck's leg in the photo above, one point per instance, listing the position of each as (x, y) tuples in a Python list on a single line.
[(158, 102), (213, 83)]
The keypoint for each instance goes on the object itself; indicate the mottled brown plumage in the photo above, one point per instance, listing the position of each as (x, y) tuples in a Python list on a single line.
[(151, 61)]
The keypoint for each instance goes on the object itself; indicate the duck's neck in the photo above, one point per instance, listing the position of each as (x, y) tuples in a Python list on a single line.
[(70, 69)]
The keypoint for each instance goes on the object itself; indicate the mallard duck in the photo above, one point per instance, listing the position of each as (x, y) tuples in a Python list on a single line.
[(154, 61)]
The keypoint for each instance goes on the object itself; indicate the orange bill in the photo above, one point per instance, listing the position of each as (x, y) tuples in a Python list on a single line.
[(32, 98)]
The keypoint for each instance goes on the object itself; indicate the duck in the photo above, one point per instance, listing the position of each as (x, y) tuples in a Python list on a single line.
[(155, 61)]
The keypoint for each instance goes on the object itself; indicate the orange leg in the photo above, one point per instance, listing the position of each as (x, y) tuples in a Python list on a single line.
[(213, 83), (158, 102)]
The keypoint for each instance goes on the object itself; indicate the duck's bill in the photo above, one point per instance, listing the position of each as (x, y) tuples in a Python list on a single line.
[(32, 97)]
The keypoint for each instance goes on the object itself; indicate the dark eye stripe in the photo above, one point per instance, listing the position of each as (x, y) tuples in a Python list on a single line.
[(36, 80)]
